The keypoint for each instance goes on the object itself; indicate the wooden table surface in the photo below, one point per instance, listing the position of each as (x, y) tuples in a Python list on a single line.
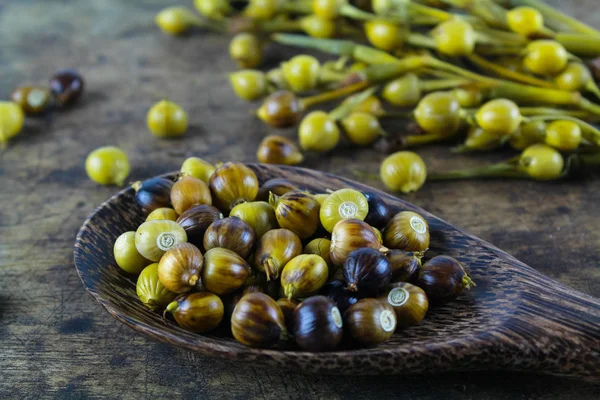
[(56, 342)]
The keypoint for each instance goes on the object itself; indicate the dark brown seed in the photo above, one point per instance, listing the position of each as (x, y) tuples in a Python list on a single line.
[(318, 324), (278, 186), (67, 86), (153, 193), (196, 220), (405, 265), (366, 271), (379, 213), (336, 291), (443, 279)]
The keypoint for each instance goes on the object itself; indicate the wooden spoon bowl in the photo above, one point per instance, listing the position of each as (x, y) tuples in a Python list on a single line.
[(515, 319)]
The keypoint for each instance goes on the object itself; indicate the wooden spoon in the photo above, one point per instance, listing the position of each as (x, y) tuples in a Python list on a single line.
[(515, 319)]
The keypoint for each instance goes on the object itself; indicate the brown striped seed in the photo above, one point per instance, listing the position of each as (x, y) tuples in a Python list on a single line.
[(197, 312), (257, 321), (179, 268), (349, 235), (231, 184), (224, 271), (408, 301), (297, 211), (274, 250), (32, 99), (370, 321), (230, 233), (288, 306), (275, 149), (407, 231)]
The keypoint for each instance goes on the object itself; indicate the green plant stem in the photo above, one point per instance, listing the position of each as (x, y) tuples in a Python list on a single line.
[(397, 114), (583, 45), (507, 73), (279, 25), (332, 95), (531, 94), (501, 170), (589, 132), (419, 20), (497, 87), (493, 14), (383, 72), (347, 106), (463, 148), (349, 11), (535, 111), (485, 38), (419, 140), (210, 24), (592, 88), (422, 9), (589, 106), (555, 17), (355, 13), (427, 85), (590, 160), (328, 75), (435, 63), (438, 74), (371, 55), (499, 50), (505, 36), (420, 40), (340, 63), (337, 46), (298, 6)]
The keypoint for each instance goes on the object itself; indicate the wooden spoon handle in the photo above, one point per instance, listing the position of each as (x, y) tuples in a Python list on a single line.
[(554, 330)]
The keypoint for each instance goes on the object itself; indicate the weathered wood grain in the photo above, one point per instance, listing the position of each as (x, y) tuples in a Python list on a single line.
[(55, 341)]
